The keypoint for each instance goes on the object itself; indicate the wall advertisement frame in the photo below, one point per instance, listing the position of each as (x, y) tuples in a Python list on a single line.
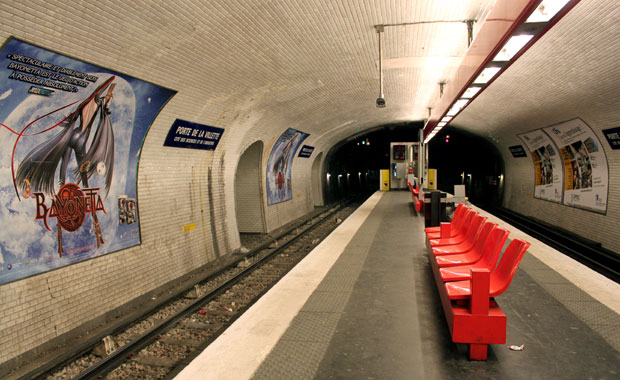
[(547, 165), (71, 134), (586, 171), (280, 164)]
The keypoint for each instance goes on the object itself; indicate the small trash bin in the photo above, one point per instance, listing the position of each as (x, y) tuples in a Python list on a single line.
[(434, 207)]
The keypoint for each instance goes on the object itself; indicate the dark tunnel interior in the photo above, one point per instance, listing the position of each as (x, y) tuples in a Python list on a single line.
[(459, 157)]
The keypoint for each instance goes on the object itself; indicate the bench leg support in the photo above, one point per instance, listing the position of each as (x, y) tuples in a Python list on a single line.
[(478, 351)]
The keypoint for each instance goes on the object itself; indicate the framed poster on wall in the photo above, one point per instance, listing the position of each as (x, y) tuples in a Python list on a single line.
[(280, 164), (71, 134), (547, 165), (586, 173)]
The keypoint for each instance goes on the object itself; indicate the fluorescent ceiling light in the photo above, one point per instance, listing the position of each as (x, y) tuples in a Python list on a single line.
[(487, 74), (461, 103), (453, 111), (457, 106), (512, 47), (446, 119), (546, 10), (471, 92)]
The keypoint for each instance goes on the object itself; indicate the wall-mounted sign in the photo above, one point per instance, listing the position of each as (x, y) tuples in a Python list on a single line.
[(280, 164), (399, 152), (517, 151), (71, 134), (613, 137), (547, 165), (306, 151), (586, 173), (185, 134)]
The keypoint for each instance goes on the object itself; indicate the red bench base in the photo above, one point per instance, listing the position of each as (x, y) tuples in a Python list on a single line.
[(477, 330)]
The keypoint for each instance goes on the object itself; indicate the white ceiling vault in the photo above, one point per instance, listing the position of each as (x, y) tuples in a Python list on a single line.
[(329, 74), (306, 64), (315, 63), (257, 67)]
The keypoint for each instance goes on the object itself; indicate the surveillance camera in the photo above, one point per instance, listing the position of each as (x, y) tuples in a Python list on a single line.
[(380, 102)]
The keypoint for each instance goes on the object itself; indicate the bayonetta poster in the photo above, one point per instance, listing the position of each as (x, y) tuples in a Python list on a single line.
[(279, 166), (71, 135)]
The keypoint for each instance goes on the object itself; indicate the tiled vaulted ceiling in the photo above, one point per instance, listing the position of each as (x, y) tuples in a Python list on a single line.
[(313, 63)]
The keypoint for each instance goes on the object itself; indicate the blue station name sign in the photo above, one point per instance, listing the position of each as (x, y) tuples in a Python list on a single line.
[(517, 151), (185, 134), (613, 137), (306, 151)]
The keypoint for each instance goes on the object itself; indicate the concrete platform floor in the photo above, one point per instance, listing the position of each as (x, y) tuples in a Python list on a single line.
[(375, 314)]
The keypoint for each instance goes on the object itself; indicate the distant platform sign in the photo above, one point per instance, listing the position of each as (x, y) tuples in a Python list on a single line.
[(185, 134), (306, 151), (517, 151), (613, 137)]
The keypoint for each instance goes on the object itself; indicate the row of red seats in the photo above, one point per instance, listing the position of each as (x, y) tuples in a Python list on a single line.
[(417, 199), (464, 256)]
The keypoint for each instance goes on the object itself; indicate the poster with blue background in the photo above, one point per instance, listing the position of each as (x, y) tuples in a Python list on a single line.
[(71, 135), (280, 164)]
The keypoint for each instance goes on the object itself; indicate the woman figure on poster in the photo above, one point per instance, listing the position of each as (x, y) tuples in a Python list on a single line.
[(37, 170)]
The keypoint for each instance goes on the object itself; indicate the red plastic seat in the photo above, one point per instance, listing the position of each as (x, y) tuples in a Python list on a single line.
[(418, 197), (458, 215), (490, 254), (500, 277), (454, 227), (470, 239), (460, 237), (457, 229), (449, 255)]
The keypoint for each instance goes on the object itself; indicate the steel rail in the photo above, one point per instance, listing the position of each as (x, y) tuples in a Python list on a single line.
[(77, 351), (589, 253), (124, 353)]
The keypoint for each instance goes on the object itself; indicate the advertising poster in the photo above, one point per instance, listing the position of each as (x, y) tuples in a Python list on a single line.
[(71, 135), (585, 165), (547, 165), (280, 164)]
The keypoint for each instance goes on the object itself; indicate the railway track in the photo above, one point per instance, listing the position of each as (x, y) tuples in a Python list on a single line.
[(168, 338), (587, 252)]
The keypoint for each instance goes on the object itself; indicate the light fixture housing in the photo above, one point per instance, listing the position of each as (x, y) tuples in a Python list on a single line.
[(512, 47), (471, 92), (547, 10), (487, 74), (546, 14)]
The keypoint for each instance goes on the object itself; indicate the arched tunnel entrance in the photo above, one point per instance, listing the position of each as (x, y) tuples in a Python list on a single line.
[(459, 158), (464, 158)]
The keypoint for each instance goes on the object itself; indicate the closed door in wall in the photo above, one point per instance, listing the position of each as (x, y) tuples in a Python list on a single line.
[(317, 183), (248, 200)]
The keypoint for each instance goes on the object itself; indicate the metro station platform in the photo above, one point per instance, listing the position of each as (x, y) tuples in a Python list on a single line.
[(363, 305)]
